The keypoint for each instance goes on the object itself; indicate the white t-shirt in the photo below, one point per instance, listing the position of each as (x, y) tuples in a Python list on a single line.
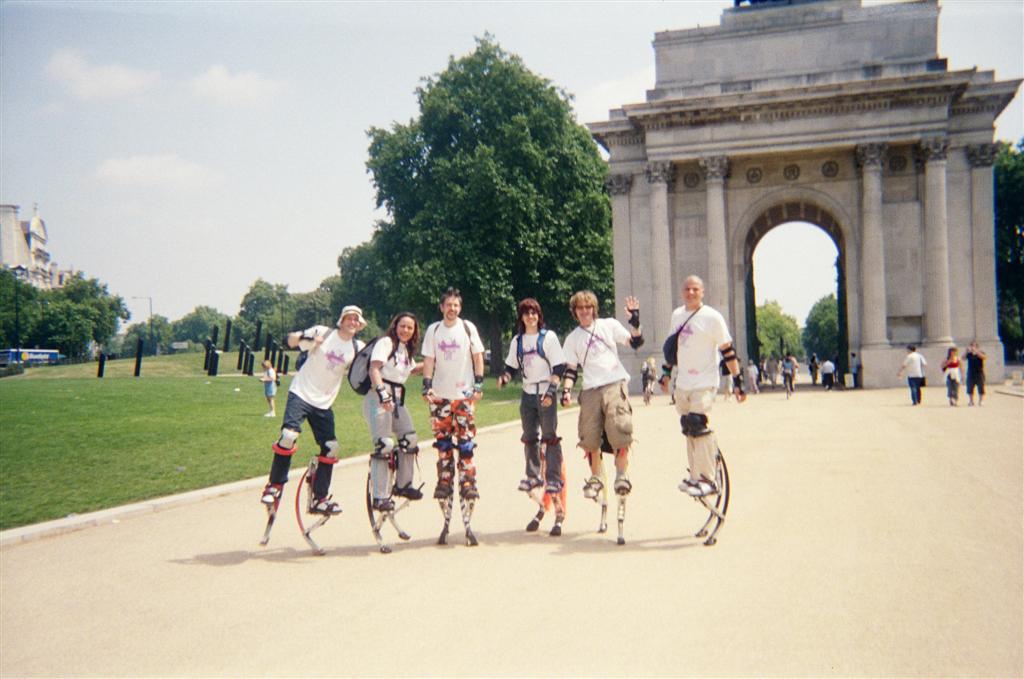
[(535, 369), (452, 351), (595, 352), (914, 364), (697, 354), (320, 377), (398, 367), (828, 367)]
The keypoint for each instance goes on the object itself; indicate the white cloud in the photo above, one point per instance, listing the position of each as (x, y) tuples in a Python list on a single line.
[(592, 105), (162, 171), (98, 81), (246, 87)]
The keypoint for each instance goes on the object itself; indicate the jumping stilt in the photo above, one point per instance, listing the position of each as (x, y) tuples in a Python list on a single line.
[(717, 504), (446, 511), (308, 480), (622, 519), (467, 506), (271, 516)]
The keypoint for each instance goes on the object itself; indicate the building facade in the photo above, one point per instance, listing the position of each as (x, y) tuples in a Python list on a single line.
[(822, 111), (23, 249)]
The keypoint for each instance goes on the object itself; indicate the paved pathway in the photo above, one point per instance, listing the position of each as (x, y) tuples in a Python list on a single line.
[(865, 537)]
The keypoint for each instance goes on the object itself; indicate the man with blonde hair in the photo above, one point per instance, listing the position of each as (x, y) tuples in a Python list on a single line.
[(604, 402)]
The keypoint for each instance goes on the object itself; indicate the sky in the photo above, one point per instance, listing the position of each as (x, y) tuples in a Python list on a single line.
[(178, 151)]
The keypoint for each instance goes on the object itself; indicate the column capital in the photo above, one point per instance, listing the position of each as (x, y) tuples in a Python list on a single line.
[(934, 148), (619, 184), (982, 155), (714, 167), (870, 155), (660, 172)]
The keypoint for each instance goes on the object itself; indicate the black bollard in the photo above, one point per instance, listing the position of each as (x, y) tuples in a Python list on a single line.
[(214, 362), (206, 356), (256, 341), (138, 357), (103, 365), (227, 334), (213, 335), (273, 354), (249, 364), (266, 348), (285, 372), (242, 348), (280, 361)]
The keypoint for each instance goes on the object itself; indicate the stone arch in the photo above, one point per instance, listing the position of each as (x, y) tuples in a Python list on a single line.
[(779, 207)]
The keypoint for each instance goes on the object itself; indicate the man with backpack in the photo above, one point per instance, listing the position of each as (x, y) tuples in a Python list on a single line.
[(699, 336), (453, 380), (310, 397)]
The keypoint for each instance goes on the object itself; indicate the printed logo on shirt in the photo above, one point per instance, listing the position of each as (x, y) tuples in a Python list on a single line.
[(335, 359), (685, 334), (448, 349), (595, 344)]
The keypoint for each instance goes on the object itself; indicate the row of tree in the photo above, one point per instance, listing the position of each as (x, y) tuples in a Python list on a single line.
[(68, 319)]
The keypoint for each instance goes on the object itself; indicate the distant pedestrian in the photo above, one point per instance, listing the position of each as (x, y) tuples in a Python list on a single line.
[(789, 374), (975, 373), (772, 367), (828, 374), (951, 371), (813, 366), (913, 366), (269, 380), (753, 375)]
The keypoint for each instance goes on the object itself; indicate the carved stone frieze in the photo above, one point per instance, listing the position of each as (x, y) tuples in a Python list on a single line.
[(982, 155), (714, 167), (660, 172), (619, 184)]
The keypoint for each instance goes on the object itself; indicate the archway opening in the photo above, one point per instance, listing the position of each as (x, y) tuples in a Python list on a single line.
[(795, 270)]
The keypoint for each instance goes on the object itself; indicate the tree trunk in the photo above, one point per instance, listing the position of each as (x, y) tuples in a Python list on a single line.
[(494, 342)]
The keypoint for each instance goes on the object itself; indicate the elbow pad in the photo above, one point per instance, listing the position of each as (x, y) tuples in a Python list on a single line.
[(571, 374), (558, 370), (636, 341)]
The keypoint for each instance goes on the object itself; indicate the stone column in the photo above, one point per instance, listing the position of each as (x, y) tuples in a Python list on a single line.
[(936, 242), (715, 170), (983, 254), (872, 263), (619, 186), (660, 176)]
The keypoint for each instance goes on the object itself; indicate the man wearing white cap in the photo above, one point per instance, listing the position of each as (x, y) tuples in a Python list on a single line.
[(310, 397)]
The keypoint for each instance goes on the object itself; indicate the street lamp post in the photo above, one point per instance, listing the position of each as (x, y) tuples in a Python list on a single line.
[(19, 271), (152, 339)]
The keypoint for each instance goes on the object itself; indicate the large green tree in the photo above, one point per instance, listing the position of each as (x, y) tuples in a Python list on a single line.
[(821, 331), (1009, 178), (155, 332), (269, 303), (196, 325), (494, 189), (777, 332)]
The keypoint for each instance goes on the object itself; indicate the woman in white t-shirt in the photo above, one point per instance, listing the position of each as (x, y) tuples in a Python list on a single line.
[(391, 427), (536, 353)]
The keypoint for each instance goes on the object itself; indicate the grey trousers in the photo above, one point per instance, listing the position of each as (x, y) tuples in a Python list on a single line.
[(392, 426), (536, 420)]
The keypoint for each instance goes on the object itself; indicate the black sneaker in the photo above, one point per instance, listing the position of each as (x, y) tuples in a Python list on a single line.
[(408, 492), (384, 504)]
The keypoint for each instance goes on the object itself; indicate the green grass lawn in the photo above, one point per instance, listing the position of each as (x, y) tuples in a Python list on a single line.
[(72, 443)]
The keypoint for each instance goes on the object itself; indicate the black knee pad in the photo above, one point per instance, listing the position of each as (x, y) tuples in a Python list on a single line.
[(408, 443), (695, 424), (383, 449)]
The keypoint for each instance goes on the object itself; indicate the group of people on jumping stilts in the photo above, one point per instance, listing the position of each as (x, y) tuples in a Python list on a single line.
[(453, 378)]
